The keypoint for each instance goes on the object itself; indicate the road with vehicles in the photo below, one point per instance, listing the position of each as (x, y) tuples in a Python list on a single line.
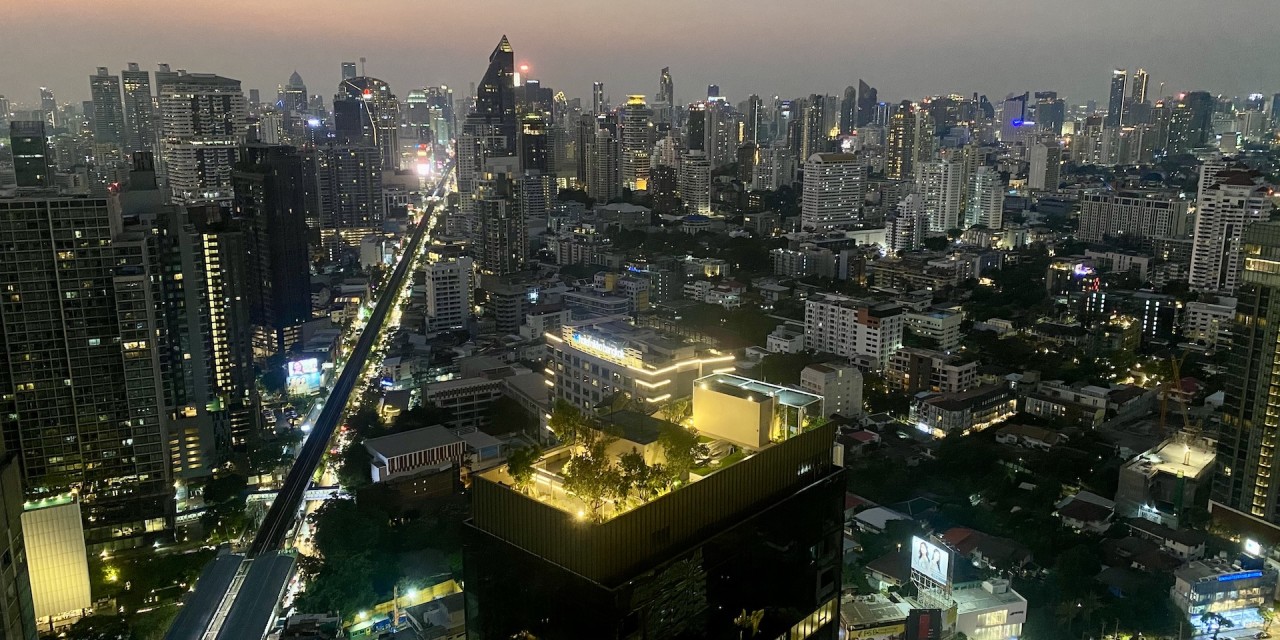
[(242, 607)]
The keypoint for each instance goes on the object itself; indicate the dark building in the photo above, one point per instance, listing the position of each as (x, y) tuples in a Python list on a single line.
[(495, 95), (366, 113), (1115, 101), (534, 145), (664, 184), (1200, 125), (1249, 428), (29, 144), (866, 104), (270, 200), (695, 127), (1051, 112), (762, 534), (849, 111)]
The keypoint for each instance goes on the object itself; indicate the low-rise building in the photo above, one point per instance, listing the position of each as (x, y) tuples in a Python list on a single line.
[(1161, 483), (1218, 586), (990, 610), (1209, 323), (467, 399), (751, 413), (911, 370), (411, 452), (786, 339), (849, 327), (942, 327), (967, 411), (840, 386), (1029, 436), (1086, 511)]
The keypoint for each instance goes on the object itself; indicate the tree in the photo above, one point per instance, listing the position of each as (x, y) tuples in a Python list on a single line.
[(568, 423), (645, 481), (100, 627), (520, 466), (678, 410), (1216, 621), (225, 488), (682, 450), (425, 415), (353, 467), (592, 477), (936, 243)]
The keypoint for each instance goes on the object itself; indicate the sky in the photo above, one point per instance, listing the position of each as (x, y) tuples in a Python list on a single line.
[(906, 48)]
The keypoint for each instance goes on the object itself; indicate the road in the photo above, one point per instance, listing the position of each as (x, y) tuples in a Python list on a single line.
[(240, 597)]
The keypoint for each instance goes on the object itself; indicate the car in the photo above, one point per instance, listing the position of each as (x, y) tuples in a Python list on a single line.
[(1262, 634)]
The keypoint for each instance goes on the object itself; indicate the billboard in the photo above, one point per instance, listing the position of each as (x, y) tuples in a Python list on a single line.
[(931, 560), (304, 366)]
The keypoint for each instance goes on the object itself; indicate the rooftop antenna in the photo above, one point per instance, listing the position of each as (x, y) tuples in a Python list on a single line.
[(362, 65)]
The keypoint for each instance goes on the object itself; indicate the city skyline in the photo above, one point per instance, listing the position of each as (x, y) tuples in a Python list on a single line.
[(898, 47)]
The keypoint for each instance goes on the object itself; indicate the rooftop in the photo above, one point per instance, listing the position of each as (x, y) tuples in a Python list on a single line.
[(978, 598), (741, 387), (412, 441), (1177, 457)]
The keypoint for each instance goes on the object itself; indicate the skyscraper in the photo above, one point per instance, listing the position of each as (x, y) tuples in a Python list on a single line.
[(489, 131), (1228, 200), (835, 185), (814, 134), (17, 611), (366, 113), (348, 195), (349, 70), (849, 111), (534, 144), (84, 398), (203, 118), (1115, 103), (139, 111), (939, 187), (637, 140), (753, 120), (1249, 426), (502, 237), (909, 140), (108, 114), (29, 144), (49, 107), (695, 127), (695, 182), (271, 201), (667, 93), (1200, 125), (866, 103), (984, 204), (1045, 165), (604, 181), (598, 101), (1139, 90)]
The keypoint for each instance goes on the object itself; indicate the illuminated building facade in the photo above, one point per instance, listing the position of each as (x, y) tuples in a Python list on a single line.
[(366, 113), (835, 185), (1251, 412), (589, 362), (1216, 586), (850, 327), (203, 117)]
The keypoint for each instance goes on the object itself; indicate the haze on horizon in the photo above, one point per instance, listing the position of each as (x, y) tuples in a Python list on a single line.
[(906, 48)]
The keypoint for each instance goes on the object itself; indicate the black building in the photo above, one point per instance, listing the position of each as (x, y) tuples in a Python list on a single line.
[(763, 534), (271, 199), (29, 144)]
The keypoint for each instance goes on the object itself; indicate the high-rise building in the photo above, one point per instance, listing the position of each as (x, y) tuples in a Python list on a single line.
[(366, 113), (448, 291), (489, 131), (203, 118), (139, 110), (348, 195), (721, 133), (1044, 165), (1051, 112), (599, 103), (1115, 102), (165, 77), (349, 70), (814, 135), (637, 140), (667, 94), (835, 185), (753, 120), (1141, 216), (604, 181), (695, 127), (849, 111), (17, 611), (695, 182), (108, 113), (29, 144), (49, 107), (1139, 90), (940, 187), (866, 103), (83, 399), (1201, 106), (502, 237), (1249, 426), (1228, 201), (851, 327), (909, 141), (984, 204), (534, 145), (271, 200), (294, 98)]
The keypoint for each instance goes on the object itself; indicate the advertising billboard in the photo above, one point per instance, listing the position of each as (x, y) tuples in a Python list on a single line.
[(304, 376), (924, 624), (304, 366), (931, 560)]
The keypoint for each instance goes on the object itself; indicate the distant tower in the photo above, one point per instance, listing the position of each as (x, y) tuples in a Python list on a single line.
[(598, 105), (108, 113), (140, 132), (365, 112), (1139, 89), (203, 118), (866, 103), (1115, 103), (349, 70), (637, 132), (849, 111)]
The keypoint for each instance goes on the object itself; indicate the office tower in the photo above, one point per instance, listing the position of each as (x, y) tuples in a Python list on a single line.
[(203, 118), (984, 204), (598, 102), (448, 291), (849, 111), (814, 134), (29, 144), (489, 131), (695, 127), (139, 110), (1115, 103), (835, 185), (637, 140), (1139, 89), (604, 181), (294, 97), (713, 91), (1249, 428), (909, 141), (753, 120), (349, 70), (165, 77), (1140, 216), (1051, 112), (1227, 202), (108, 114), (84, 398), (667, 93), (866, 103), (366, 113), (271, 189), (940, 186), (1013, 117), (348, 194), (721, 133), (49, 107), (6, 109), (1044, 165), (760, 534), (502, 236), (534, 145), (1200, 124), (695, 182)]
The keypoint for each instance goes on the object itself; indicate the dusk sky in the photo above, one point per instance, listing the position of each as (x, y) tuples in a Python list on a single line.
[(905, 48)]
